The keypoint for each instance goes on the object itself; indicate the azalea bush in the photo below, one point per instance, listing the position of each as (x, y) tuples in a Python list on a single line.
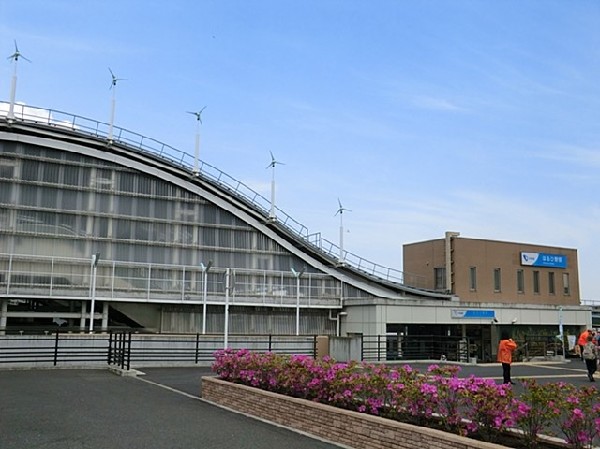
[(580, 416), (438, 397), (537, 408)]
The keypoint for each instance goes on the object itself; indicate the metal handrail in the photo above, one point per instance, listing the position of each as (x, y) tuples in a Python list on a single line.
[(100, 130)]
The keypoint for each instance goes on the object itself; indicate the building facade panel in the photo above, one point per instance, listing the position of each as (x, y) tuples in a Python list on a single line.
[(489, 271)]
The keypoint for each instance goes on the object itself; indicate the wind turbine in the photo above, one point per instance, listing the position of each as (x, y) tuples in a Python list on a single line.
[(197, 148), (341, 211), (13, 85), (113, 87), (272, 166)]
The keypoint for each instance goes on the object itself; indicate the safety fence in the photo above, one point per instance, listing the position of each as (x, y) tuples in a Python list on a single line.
[(390, 347), (128, 348)]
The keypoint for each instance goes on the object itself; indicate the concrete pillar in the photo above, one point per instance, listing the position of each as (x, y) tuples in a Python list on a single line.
[(322, 346), (449, 261), (105, 307), (495, 339), (3, 317), (83, 313)]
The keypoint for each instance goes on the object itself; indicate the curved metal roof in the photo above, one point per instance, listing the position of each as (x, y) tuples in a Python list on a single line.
[(49, 127)]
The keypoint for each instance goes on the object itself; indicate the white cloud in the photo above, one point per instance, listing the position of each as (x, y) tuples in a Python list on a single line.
[(436, 104), (571, 154)]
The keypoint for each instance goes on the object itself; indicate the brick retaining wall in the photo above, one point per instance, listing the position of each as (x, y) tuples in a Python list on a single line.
[(356, 430)]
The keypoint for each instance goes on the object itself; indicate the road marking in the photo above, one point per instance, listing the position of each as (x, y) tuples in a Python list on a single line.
[(166, 387)]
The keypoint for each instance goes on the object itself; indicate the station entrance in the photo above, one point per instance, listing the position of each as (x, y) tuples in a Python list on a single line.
[(463, 342)]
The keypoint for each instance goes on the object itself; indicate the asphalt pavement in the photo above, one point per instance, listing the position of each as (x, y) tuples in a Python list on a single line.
[(96, 409), (162, 408)]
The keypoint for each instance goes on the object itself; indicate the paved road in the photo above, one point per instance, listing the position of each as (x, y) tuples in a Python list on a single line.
[(572, 371), (95, 409)]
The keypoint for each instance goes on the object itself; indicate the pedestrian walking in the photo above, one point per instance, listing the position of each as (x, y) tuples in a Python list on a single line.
[(590, 356), (582, 340)]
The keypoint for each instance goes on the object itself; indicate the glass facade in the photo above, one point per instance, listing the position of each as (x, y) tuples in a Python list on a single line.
[(62, 204)]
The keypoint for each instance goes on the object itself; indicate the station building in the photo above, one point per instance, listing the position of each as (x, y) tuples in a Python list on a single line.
[(527, 288), (104, 228)]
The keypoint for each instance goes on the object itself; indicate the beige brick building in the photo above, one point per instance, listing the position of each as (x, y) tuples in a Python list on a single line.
[(490, 271)]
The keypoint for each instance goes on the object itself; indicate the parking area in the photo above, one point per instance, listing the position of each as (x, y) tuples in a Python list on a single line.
[(95, 409)]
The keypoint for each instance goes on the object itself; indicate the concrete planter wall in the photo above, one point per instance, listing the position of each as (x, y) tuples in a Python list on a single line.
[(356, 430)]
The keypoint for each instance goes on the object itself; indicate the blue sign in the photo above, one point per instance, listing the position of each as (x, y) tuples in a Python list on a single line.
[(473, 313), (544, 260)]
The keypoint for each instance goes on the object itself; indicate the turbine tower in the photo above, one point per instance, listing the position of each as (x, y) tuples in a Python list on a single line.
[(341, 211), (113, 87), (197, 148), (272, 167), (13, 85)]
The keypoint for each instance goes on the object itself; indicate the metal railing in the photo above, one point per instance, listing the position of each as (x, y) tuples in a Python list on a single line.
[(69, 277), (100, 130), (539, 346), (380, 348), (126, 348), (51, 349)]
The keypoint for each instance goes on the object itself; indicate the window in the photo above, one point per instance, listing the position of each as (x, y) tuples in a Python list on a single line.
[(473, 279), (536, 282), (440, 278), (551, 289), (497, 280), (520, 282), (566, 285)]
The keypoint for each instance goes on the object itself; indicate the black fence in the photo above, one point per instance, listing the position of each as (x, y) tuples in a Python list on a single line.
[(119, 350), (416, 347), (536, 346), (127, 348), (56, 348)]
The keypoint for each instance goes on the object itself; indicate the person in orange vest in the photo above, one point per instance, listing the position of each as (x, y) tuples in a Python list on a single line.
[(582, 340), (506, 347)]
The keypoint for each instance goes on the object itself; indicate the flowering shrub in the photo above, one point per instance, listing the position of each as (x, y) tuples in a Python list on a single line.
[(488, 406), (449, 391), (537, 408), (438, 397), (580, 416)]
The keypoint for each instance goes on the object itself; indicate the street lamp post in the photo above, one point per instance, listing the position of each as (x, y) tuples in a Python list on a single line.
[(297, 275), (95, 259), (204, 291), (226, 327)]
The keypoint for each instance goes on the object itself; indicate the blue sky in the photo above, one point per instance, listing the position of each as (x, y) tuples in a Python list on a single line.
[(481, 117)]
